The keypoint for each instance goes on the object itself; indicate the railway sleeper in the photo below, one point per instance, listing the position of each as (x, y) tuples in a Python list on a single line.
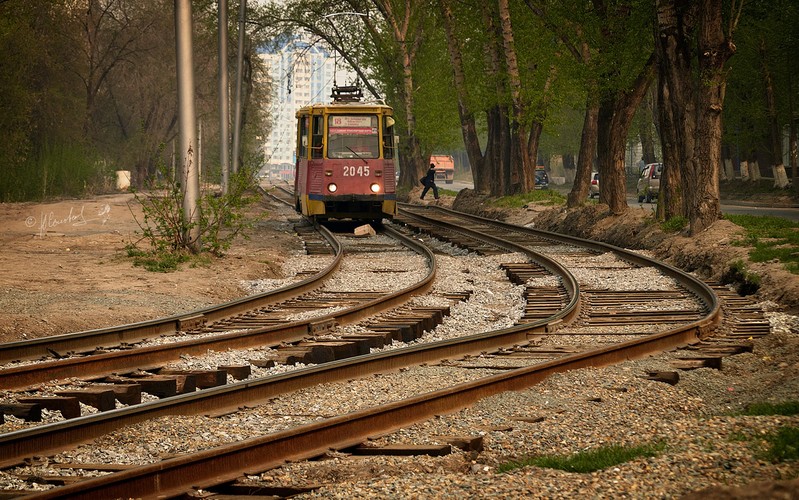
[(160, 386), (30, 412), (100, 397), (204, 378), (238, 489), (238, 372), (433, 450), (697, 362), (69, 407)]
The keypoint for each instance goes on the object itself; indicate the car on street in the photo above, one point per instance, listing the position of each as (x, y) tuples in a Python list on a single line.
[(593, 187), (541, 179), (648, 186)]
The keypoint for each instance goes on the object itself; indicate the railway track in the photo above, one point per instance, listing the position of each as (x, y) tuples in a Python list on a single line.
[(536, 348)]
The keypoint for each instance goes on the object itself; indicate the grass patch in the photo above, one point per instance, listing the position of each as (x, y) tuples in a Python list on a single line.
[(771, 238), (542, 196), (156, 262), (588, 461), (785, 409), (783, 445), (675, 224)]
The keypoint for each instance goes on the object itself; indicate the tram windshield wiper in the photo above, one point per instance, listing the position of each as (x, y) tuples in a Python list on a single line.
[(357, 154)]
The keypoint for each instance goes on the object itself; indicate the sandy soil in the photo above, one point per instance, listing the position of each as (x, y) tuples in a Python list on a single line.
[(63, 268)]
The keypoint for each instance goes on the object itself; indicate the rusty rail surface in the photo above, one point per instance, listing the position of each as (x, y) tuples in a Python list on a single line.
[(176, 476), (150, 357), (114, 336)]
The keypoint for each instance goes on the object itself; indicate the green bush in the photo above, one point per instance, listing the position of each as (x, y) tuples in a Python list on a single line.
[(167, 231), (56, 170)]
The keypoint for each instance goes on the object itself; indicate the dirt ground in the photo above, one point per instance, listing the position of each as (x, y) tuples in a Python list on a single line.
[(63, 268)]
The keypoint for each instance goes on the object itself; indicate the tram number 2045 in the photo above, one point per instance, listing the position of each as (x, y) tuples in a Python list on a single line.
[(356, 171)]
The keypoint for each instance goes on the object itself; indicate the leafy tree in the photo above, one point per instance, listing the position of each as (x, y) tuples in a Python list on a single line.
[(693, 49)]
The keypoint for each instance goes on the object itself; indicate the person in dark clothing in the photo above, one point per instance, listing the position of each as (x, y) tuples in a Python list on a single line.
[(429, 181)]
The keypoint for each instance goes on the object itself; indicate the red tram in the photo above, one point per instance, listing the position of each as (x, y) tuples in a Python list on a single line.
[(345, 167)]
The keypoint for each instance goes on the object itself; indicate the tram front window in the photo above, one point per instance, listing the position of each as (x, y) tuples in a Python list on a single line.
[(353, 136)]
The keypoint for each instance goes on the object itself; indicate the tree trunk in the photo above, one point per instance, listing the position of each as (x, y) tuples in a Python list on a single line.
[(616, 112), (702, 173), (676, 107), (585, 161), (646, 131), (775, 133), (471, 140)]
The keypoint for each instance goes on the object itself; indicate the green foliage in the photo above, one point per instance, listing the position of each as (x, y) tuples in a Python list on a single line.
[(772, 238), (787, 409), (157, 262), (783, 445), (54, 171), (589, 461), (542, 196), (675, 224), (746, 282), (166, 229)]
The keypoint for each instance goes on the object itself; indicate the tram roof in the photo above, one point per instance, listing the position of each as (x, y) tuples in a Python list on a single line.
[(358, 107)]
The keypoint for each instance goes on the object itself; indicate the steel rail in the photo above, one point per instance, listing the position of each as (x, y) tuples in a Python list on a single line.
[(134, 332), (52, 437), (570, 311), (700, 289), (150, 357), (175, 476)]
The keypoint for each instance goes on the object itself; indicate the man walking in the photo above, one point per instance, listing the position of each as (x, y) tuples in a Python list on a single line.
[(429, 181)]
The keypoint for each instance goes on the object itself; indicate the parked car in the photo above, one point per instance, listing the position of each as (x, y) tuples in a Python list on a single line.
[(649, 182), (593, 188), (541, 179)]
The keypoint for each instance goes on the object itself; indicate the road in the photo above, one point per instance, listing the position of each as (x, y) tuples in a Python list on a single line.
[(727, 207)]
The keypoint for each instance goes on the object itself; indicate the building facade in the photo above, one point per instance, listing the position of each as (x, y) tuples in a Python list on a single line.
[(301, 73)]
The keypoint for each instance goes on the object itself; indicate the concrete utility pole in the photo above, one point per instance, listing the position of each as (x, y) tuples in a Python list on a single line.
[(239, 70), (187, 121), (224, 99)]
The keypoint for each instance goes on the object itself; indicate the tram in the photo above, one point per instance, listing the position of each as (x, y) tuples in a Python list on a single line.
[(345, 166)]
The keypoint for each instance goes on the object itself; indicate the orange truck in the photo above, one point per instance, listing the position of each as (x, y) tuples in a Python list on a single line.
[(445, 168)]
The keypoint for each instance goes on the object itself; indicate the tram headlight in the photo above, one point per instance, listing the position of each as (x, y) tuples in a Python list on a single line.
[(375, 187), (332, 187)]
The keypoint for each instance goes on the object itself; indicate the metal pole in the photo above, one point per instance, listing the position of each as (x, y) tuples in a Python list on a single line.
[(187, 121), (224, 98), (239, 70)]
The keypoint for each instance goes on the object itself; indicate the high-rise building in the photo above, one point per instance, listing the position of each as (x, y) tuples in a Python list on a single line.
[(301, 73)]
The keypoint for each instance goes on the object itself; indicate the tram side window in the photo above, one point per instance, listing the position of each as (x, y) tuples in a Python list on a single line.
[(353, 136), (388, 137), (317, 134), (302, 125)]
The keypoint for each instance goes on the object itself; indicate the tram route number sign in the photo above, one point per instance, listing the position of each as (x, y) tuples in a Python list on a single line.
[(352, 125)]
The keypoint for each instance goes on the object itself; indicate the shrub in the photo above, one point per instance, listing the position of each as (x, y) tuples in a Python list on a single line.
[(167, 230)]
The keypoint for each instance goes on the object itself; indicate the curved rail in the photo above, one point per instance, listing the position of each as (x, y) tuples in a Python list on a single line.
[(134, 332), (696, 286), (147, 357), (51, 437), (176, 476)]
